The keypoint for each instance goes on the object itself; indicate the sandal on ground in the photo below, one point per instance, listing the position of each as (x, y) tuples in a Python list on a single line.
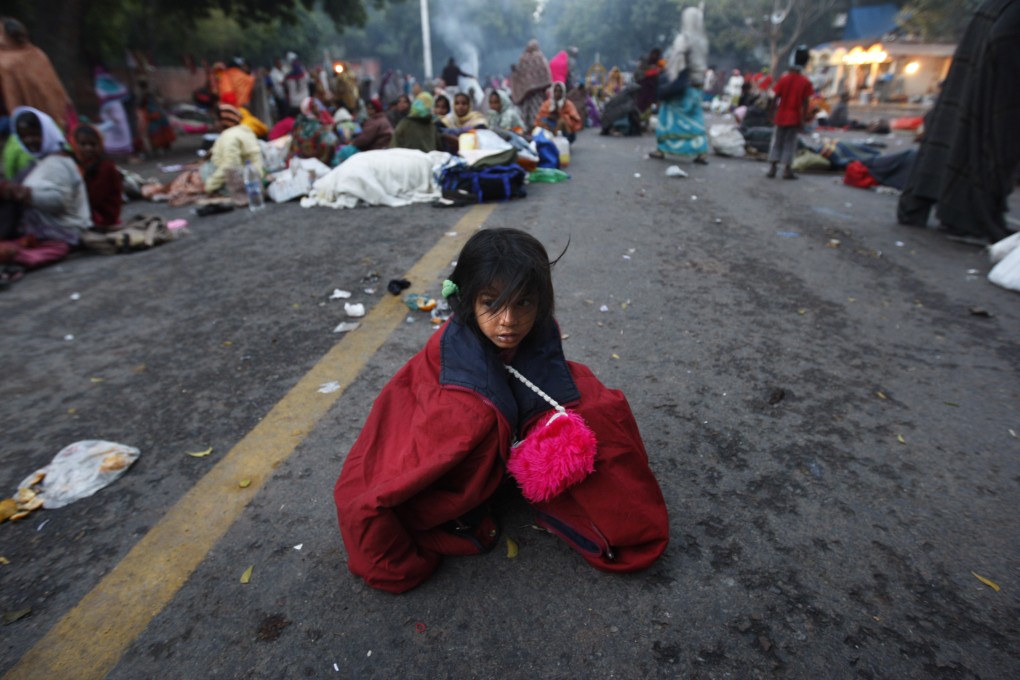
[(656, 154), (9, 274), (701, 160), (771, 173), (788, 174)]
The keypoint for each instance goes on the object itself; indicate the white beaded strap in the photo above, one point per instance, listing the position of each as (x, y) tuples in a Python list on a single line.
[(537, 390)]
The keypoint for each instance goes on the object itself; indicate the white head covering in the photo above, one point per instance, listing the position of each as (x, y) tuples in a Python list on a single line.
[(52, 137), (690, 48)]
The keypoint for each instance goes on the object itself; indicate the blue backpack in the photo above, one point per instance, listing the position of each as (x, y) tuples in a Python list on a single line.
[(496, 183)]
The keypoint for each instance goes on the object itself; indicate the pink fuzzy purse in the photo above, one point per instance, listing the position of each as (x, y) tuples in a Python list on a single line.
[(557, 453)]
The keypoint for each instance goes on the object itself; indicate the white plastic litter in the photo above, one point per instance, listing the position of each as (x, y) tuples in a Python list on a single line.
[(1000, 249), (354, 309), (340, 294), (79, 470), (675, 171), (330, 387), (726, 140), (346, 326), (1006, 273)]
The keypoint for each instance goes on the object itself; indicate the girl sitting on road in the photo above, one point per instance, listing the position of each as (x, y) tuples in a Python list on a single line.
[(103, 182), (443, 433)]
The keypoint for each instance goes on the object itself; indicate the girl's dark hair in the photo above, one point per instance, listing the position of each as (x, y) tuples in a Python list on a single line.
[(509, 258), (462, 94), (15, 30), (443, 98)]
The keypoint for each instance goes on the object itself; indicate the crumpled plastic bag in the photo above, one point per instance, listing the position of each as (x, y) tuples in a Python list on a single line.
[(79, 470)]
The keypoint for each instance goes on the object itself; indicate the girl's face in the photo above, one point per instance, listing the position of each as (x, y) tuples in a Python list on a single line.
[(494, 103), (461, 105), (442, 107), (557, 91), (507, 327)]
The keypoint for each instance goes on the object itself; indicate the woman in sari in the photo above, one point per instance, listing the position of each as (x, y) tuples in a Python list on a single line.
[(312, 135), (681, 130), (530, 80), (502, 114), (115, 126), (157, 124)]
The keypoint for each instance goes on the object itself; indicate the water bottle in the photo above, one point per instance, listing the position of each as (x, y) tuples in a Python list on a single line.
[(253, 187)]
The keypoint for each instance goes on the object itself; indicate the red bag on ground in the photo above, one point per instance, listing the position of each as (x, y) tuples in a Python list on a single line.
[(857, 175)]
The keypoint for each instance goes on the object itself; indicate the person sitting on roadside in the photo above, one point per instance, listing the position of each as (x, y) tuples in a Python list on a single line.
[(503, 115), (559, 115), (376, 131), (312, 135), (103, 182), (52, 198), (398, 110), (235, 146), (463, 118), (416, 130)]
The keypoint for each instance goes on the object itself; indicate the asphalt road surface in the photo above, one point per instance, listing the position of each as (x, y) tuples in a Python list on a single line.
[(829, 400)]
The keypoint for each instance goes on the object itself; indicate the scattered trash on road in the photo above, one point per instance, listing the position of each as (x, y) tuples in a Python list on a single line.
[(419, 302), (988, 582), (76, 472), (346, 326), (355, 309), (395, 286), (200, 454), (76, 296), (246, 576), (675, 171), (330, 387), (339, 294)]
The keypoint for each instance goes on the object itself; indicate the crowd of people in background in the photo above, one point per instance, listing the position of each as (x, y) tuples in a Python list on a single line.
[(60, 174)]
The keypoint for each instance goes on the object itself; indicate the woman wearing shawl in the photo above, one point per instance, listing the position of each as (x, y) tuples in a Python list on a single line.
[(52, 195), (503, 115), (103, 182), (463, 118), (416, 130), (614, 83), (376, 132), (157, 123), (114, 125), (681, 130), (27, 77), (558, 114), (235, 146), (312, 135), (530, 80)]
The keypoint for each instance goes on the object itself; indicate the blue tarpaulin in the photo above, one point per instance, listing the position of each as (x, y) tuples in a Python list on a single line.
[(874, 21)]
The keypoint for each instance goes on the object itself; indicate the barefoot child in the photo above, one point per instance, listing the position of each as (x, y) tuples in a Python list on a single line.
[(440, 437)]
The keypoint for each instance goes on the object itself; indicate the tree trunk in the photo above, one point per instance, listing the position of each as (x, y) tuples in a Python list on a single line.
[(58, 32)]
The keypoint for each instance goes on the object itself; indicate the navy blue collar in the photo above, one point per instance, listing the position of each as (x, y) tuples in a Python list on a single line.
[(470, 362)]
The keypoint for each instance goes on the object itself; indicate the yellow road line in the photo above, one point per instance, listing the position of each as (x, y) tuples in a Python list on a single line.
[(90, 639)]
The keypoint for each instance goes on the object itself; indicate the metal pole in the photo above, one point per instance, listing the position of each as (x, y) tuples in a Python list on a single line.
[(426, 42)]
